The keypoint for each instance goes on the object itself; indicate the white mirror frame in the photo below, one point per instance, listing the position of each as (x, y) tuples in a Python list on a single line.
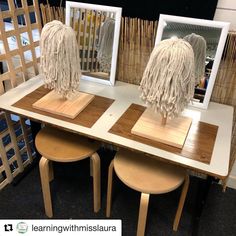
[(117, 11), (224, 26)]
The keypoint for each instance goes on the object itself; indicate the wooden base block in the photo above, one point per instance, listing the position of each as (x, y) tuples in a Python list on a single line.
[(173, 133), (53, 103)]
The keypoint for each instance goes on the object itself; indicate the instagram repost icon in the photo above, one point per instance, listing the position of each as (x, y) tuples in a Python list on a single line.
[(21, 227)]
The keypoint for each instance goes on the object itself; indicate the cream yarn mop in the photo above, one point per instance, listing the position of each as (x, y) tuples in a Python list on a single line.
[(198, 44), (105, 44), (168, 80), (60, 62)]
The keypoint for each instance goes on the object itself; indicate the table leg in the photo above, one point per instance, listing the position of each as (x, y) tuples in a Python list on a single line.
[(203, 187), (35, 128)]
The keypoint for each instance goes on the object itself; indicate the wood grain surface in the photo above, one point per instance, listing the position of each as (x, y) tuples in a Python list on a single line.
[(198, 146), (173, 132), (154, 177), (55, 104), (86, 118), (62, 146)]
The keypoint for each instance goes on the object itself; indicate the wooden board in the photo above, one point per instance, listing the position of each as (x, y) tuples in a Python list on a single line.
[(54, 103), (198, 146), (173, 133), (20, 42), (86, 118)]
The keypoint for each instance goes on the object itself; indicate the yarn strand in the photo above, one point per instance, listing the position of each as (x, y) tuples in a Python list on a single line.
[(60, 62), (168, 81)]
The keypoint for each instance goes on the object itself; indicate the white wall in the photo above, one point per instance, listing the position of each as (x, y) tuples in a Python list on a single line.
[(226, 11)]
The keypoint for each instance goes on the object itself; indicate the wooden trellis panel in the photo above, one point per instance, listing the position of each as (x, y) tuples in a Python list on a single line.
[(15, 145), (15, 150), (5, 171), (19, 68)]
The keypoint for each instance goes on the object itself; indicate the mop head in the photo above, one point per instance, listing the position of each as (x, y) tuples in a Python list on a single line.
[(105, 44), (198, 44), (168, 80), (60, 62)]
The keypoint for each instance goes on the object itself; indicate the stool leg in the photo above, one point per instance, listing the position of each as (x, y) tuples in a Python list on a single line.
[(181, 203), (109, 188), (143, 208), (96, 182), (44, 175)]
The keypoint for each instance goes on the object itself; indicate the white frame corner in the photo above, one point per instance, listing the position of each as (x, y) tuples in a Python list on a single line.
[(117, 11), (224, 26)]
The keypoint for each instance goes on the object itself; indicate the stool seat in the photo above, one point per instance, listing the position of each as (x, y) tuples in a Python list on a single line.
[(62, 146), (146, 174)]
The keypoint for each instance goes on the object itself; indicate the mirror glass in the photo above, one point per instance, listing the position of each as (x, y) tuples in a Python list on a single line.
[(97, 30), (207, 39)]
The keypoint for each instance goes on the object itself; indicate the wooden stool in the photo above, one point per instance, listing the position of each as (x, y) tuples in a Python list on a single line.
[(57, 145), (148, 176)]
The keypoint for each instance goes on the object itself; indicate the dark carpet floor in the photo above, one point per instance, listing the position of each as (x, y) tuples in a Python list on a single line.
[(72, 197)]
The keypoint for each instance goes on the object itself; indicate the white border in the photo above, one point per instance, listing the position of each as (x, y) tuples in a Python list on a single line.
[(117, 11), (193, 21)]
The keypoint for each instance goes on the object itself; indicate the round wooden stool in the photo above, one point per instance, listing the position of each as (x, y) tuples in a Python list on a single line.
[(61, 146), (148, 176)]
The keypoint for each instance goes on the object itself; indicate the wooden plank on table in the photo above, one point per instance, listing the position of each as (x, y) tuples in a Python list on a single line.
[(198, 146), (86, 118), (173, 133), (54, 103)]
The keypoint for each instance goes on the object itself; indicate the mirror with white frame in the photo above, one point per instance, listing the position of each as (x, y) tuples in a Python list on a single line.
[(97, 30), (213, 36)]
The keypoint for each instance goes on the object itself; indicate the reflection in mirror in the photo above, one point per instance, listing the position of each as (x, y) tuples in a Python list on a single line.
[(97, 30), (207, 39)]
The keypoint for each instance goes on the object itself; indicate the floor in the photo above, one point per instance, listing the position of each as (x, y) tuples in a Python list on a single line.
[(72, 199)]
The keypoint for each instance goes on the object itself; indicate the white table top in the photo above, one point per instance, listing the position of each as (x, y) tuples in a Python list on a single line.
[(124, 95)]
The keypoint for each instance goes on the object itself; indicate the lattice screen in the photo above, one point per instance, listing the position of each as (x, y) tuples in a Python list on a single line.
[(16, 149), (20, 28)]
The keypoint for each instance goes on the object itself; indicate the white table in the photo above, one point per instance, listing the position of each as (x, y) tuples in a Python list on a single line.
[(124, 95)]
